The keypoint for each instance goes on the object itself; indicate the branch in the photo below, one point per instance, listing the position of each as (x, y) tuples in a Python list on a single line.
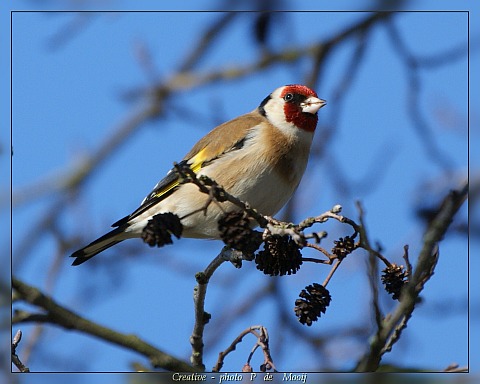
[(59, 315), (15, 359), (392, 325), (199, 293), (205, 41), (216, 193), (420, 124), (262, 342)]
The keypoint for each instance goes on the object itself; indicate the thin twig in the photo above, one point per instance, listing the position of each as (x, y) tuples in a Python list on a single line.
[(318, 261), (262, 342), (322, 250), (332, 271), (373, 282), (408, 265), (15, 359), (364, 240)]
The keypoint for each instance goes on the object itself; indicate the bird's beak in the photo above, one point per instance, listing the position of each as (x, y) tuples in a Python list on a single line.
[(312, 105)]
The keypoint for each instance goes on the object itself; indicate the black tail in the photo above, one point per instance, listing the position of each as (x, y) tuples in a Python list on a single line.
[(99, 245)]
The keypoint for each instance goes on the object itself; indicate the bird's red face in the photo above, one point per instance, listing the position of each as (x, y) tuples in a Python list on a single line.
[(301, 105)]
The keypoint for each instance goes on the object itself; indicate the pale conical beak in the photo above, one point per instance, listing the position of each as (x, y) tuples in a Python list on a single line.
[(312, 105)]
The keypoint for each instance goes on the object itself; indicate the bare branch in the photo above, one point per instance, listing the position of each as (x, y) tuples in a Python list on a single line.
[(389, 331), (206, 40), (262, 342), (15, 359), (59, 315), (202, 317), (424, 131), (332, 271)]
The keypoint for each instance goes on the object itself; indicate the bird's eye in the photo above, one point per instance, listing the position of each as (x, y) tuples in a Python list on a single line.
[(288, 97)]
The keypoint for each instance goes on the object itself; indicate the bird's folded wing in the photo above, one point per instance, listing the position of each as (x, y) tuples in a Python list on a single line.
[(223, 139), (163, 189)]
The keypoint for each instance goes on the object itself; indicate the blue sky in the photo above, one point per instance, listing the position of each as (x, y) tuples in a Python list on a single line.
[(68, 99)]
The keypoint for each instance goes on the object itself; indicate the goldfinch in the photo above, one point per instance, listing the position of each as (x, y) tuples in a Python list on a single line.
[(258, 157)]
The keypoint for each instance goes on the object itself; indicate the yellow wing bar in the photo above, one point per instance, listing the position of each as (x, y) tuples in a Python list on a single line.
[(196, 164)]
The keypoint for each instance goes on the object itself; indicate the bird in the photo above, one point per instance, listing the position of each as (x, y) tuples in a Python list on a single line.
[(259, 157)]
